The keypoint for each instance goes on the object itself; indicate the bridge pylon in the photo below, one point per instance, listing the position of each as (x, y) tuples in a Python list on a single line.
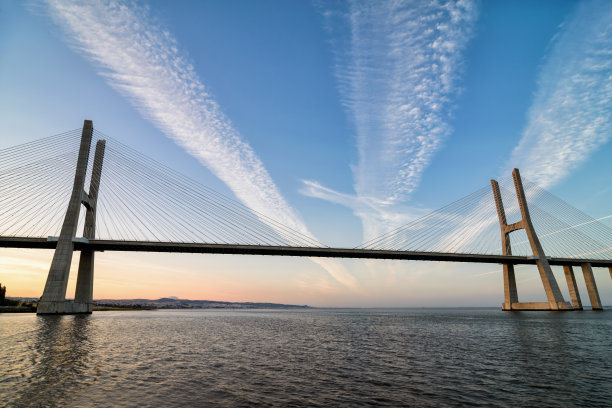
[(553, 293), (573, 288), (53, 300)]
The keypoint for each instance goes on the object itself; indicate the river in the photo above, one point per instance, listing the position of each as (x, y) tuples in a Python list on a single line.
[(309, 357)]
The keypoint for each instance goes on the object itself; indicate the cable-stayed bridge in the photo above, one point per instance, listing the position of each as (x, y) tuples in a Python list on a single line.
[(134, 203)]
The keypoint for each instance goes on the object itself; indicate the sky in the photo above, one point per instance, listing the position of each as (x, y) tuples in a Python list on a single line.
[(340, 119)]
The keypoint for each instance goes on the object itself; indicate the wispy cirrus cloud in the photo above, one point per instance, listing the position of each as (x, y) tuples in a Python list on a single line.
[(571, 115), (569, 119), (397, 65), (143, 62)]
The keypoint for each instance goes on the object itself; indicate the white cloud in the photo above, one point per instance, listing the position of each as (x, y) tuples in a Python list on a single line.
[(143, 62), (376, 216), (571, 115), (397, 67), (570, 118)]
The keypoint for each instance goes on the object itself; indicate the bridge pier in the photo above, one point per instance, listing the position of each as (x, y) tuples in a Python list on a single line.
[(84, 286), (510, 292), (53, 299), (553, 293), (589, 280), (573, 289)]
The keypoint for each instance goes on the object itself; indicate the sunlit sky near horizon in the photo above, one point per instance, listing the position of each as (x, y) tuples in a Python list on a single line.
[(342, 118)]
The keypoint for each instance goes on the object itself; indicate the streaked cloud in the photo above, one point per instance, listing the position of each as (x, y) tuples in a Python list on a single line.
[(377, 217), (571, 115), (397, 66), (569, 119), (144, 63)]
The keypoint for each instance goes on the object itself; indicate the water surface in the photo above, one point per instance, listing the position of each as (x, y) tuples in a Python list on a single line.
[(313, 357)]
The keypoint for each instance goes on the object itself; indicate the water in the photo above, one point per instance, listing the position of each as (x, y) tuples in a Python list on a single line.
[(316, 357)]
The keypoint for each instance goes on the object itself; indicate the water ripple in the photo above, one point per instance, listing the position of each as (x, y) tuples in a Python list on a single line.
[(307, 358)]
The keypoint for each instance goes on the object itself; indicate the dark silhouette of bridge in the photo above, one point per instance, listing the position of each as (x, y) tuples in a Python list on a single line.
[(150, 208)]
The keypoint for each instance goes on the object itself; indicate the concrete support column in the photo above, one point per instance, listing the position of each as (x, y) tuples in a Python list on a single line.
[(553, 293), (84, 287), (571, 285), (54, 294), (510, 291), (589, 279)]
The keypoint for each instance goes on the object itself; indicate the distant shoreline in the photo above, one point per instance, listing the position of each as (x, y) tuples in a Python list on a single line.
[(28, 305)]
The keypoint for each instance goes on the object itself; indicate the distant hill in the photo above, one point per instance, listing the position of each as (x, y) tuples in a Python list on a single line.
[(174, 303)]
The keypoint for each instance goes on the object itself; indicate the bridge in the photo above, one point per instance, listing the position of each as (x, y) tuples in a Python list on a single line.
[(147, 207)]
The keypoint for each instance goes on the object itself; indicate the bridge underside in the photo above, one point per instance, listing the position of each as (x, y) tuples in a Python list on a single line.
[(138, 246)]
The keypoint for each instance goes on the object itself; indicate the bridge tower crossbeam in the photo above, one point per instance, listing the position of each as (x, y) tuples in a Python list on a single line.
[(53, 300)]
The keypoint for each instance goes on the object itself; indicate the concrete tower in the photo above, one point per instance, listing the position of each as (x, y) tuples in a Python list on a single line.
[(555, 298), (53, 300)]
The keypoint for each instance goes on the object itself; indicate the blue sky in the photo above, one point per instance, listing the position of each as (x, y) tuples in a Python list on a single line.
[(342, 119)]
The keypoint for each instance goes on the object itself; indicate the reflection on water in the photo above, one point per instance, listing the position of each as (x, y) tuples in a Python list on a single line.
[(57, 356), (307, 358)]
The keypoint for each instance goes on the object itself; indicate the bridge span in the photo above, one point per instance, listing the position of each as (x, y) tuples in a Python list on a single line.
[(182, 216), (98, 245)]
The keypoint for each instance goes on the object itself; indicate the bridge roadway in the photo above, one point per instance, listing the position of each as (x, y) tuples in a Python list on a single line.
[(144, 246)]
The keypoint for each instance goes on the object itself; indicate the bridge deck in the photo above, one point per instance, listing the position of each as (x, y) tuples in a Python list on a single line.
[(138, 246)]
